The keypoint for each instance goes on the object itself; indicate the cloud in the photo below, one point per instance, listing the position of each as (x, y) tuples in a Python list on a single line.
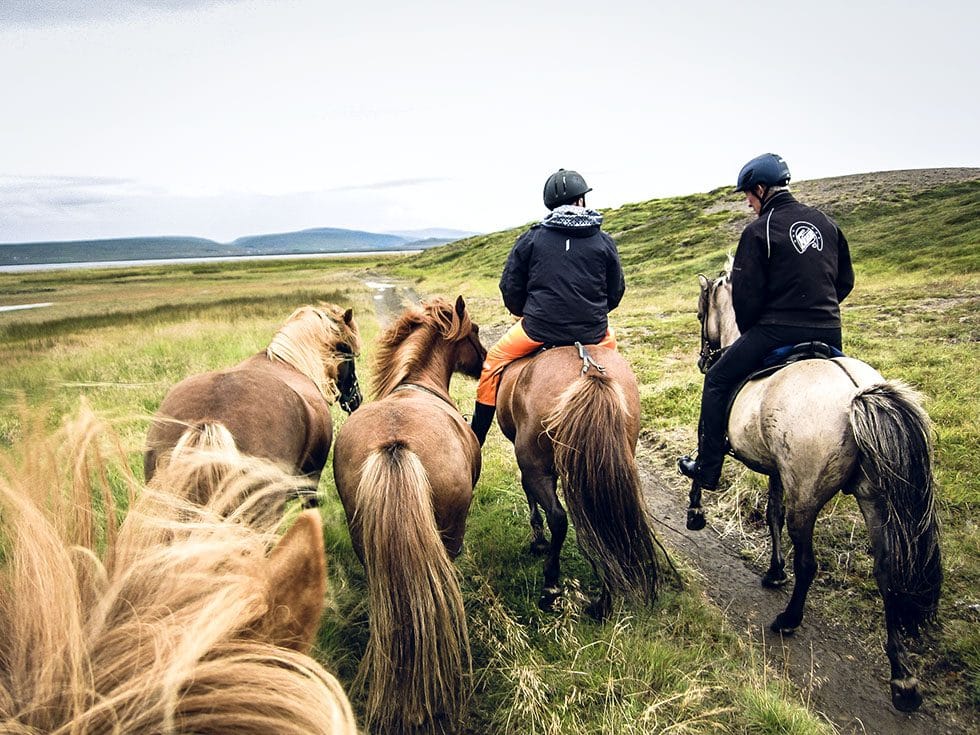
[(81, 12), (392, 184)]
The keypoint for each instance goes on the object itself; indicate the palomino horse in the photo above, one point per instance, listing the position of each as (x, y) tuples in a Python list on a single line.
[(405, 466), (574, 413), (276, 404), (819, 426), (179, 620)]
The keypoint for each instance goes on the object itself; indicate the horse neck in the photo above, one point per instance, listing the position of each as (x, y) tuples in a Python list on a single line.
[(728, 330), (434, 363)]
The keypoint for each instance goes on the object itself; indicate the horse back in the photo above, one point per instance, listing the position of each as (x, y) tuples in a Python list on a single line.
[(799, 416), (271, 410), (531, 387), (429, 428)]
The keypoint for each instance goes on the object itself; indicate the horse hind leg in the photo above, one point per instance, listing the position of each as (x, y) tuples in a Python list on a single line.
[(539, 544), (775, 576), (800, 523), (904, 684), (541, 488)]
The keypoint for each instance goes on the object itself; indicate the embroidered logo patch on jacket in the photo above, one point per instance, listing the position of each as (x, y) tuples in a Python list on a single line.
[(804, 235)]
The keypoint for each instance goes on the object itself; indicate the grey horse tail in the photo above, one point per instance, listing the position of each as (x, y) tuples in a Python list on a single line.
[(893, 433)]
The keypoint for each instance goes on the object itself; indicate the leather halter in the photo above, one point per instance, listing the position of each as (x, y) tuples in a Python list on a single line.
[(424, 389)]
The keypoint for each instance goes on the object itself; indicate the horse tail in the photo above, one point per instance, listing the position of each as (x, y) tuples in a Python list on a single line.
[(593, 453), (892, 431), (418, 651), (208, 447)]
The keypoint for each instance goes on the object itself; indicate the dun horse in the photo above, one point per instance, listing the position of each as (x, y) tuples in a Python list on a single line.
[(574, 413), (276, 404), (405, 466), (179, 620), (819, 426)]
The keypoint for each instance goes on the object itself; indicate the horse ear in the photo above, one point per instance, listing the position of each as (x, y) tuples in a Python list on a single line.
[(348, 316), (703, 279), (460, 306), (296, 575)]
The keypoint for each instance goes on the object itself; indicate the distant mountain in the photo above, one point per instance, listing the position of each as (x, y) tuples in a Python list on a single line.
[(433, 233), (314, 241)]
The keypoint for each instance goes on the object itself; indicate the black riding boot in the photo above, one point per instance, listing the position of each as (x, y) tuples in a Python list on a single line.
[(481, 421), (705, 475), (706, 469)]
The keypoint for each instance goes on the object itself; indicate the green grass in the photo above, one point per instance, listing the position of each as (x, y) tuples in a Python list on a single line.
[(120, 338)]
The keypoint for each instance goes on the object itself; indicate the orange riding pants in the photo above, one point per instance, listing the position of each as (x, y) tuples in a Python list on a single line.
[(514, 345)]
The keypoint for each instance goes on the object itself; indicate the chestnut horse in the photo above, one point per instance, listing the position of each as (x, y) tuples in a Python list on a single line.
[(276, 404), (405, 466), (816, 427), (574, 413), (179, 620)]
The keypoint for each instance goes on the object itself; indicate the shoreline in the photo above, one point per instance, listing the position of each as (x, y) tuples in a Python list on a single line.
[(82, 265)]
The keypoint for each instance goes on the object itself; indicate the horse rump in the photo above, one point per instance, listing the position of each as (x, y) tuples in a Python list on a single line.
[(207, 464), (593, 453), (418, 649), (892, 431)]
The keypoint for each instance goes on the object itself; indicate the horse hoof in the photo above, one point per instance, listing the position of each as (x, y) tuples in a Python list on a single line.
[(540, 548), (905, 694), (774, 581), (783, 626), (547, 600), (695, 519), (597, 610)]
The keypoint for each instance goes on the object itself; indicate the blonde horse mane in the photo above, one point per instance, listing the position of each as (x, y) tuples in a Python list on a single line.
[(155, 625), (307, 343), (396, 356)]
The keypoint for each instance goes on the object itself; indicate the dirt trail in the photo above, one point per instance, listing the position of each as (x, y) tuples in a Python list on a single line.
[(825, 662)]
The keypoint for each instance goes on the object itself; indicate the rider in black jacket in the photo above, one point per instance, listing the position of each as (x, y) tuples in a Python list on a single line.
[(791, 270), (562, 278)]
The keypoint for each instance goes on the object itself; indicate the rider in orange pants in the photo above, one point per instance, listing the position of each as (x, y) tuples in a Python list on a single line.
[(514, 345), (562, 278)]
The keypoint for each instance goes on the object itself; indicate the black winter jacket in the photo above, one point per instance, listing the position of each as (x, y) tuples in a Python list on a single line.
[(563, 276), (792, 268)]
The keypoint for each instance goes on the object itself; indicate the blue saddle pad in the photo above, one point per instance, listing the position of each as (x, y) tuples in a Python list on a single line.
[(802, 351)]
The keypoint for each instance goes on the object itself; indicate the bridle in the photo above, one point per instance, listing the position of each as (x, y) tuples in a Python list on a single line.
[(347, 385), (710, 354)]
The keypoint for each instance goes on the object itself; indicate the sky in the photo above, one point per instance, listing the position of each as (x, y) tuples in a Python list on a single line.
[(224, 118)]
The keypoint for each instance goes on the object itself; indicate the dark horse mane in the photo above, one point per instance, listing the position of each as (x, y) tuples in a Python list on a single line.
[(397, 355)]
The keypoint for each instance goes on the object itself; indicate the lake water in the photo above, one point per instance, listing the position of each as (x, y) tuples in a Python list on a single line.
[(31, 267)]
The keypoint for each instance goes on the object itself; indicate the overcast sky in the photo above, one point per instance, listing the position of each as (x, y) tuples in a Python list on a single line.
[(227, 118)]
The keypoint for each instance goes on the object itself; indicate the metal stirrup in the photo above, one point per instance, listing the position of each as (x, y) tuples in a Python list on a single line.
[(588, 361)]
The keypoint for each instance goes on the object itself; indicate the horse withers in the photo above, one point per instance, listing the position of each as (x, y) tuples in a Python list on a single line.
[(574, 413), (405, 466), (275, 404), (180, 619), (816, 427)]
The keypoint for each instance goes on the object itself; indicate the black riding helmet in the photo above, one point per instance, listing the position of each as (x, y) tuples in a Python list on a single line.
[(564, 187), (767, 169)]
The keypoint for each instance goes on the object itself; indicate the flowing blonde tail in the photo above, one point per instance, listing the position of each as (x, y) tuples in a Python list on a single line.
[(418, 655), (594, 459)]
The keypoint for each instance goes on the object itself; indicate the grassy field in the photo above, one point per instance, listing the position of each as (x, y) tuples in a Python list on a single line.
[(121, 338)]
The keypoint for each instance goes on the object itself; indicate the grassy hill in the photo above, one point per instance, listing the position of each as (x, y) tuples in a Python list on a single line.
[(121, 337)]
